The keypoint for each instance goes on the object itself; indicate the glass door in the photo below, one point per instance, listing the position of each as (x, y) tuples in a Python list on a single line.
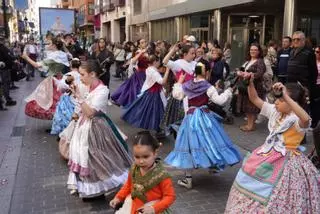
[(238, 36), (201, 34)]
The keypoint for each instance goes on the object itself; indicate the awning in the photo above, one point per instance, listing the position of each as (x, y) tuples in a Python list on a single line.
[(192, 6)]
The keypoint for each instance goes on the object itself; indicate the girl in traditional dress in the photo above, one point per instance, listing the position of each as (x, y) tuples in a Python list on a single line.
[(65, 106), (174, 111), (129, 89), (42, 102), (147, 110), (98, 156), (149, 188), (201, 141), (277, 177)]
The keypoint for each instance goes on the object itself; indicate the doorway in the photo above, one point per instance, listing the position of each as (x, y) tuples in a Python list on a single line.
[(244, 30), (202, 34)]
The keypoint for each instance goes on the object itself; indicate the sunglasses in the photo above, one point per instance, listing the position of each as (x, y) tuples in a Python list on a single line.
[(317, 52)]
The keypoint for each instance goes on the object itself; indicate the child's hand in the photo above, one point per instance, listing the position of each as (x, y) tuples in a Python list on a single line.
[(114, 202), (280, 87), (146, 210)]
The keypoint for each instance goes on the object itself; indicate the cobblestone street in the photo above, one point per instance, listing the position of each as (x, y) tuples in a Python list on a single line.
[(33, 176)]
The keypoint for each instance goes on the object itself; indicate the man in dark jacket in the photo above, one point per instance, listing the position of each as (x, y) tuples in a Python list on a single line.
[(73, 46), (302, 65), (283, 58), (6, 62)]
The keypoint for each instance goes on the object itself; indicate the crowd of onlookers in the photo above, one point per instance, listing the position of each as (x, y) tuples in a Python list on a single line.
[(297, 60)]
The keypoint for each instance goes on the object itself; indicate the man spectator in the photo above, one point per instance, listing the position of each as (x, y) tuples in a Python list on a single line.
[(73, 46), (283, 58), (302, 65), (32, 51), (6, 62)]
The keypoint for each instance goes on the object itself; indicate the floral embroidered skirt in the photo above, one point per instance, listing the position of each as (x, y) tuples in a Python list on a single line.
[(297, 191)]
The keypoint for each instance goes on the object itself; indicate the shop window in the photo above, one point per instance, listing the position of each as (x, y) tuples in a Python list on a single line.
[(137, 7)]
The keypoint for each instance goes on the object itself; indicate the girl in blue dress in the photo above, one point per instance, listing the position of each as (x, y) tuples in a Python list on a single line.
[(201, 141), (147, 110), (66, 104)]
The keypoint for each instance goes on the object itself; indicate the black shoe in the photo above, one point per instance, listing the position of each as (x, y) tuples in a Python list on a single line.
[(11, 103)]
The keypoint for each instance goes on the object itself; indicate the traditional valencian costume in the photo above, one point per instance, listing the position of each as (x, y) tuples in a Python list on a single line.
[(66, 105), (277, 177), (175, 108), (42, 102), (154, 188), (201, 141), (148, 109), (129, 89), (98, 155)]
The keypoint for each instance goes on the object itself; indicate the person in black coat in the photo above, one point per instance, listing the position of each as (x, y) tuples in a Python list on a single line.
[(283, 58), (6, 63), (105, 59), (302, 67)]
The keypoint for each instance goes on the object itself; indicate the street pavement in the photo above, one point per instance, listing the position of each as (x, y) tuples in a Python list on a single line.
[(33, 176)]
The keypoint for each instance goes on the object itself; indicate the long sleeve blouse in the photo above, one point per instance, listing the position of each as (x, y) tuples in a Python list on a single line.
[(163, 193), (212, 93)]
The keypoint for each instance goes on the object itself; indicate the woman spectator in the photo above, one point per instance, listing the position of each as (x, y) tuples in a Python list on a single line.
[(227, 53), (119, 54), (219, 70), (255, 64), (105, 59), (272, 54)]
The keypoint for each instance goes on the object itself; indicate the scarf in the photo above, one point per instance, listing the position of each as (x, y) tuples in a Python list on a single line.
[(143, 184), (194, 89), (275, 138)]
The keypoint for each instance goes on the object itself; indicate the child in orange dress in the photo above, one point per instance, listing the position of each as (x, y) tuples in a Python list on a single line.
[(149, 188)]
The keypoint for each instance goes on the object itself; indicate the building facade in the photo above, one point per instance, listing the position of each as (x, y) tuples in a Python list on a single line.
[(113, 20), (239, 22)]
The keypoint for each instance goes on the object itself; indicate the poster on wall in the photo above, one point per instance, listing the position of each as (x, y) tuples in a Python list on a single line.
[(56, 21)]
